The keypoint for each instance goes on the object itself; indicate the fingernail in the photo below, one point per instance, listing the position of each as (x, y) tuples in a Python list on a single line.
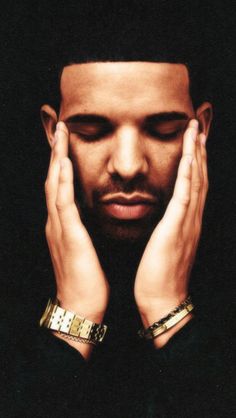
[(193, 124), (61, 126)]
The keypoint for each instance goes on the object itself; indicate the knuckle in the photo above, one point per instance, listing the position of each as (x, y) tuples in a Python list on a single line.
[(70, 240), (73, 235), (183, 199), (187, 175), (197, 185), (56, 150), (204, 157), (60, 205)]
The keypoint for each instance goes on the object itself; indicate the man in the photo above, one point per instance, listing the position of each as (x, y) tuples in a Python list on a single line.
[(125, 194), (126, 129), (123, 240)]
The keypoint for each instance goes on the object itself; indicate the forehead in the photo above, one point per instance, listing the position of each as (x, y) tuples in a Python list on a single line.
[(125, 87)]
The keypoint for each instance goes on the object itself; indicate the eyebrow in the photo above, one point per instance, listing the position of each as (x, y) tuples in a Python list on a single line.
[(167, 117), (86, 118), (99, 119)]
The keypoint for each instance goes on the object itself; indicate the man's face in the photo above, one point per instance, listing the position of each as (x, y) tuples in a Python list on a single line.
[(126, 122)]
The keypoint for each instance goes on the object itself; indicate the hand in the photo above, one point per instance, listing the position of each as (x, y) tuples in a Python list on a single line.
[(163, 273), (81, 284)]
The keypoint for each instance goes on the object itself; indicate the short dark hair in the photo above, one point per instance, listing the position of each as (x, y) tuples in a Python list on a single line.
[(155, 31), (198, 83)]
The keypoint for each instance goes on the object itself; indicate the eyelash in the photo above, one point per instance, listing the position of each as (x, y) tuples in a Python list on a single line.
[(88, 138), (165, 137), (93, 137), (103, 134)]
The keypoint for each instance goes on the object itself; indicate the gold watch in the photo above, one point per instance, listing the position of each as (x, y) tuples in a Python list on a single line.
[(68, 323)]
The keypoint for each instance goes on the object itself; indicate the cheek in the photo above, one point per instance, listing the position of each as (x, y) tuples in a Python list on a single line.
[(89, 163), (164, 163)]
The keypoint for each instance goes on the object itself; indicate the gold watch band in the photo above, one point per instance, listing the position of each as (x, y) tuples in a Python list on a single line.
[(68, 323)]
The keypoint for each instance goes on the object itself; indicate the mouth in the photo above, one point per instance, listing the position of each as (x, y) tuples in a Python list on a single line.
[(128, 207)]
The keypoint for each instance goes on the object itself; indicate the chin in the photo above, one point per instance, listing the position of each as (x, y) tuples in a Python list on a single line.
[(125, 231), (132, 233), (102, 227)]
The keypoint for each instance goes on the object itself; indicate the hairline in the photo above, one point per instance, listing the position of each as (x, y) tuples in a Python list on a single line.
[(188, 66)]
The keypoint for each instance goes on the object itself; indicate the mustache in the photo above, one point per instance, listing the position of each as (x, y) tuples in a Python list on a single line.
[(126, 188), (118, 185)]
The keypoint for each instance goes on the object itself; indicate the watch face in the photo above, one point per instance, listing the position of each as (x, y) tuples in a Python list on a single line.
[(46, 312)]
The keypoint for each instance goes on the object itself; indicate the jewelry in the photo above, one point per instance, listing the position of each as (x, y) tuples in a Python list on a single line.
[(77, 339), (68, 323), (175, 316)]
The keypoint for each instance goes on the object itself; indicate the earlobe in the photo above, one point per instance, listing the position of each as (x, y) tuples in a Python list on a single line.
[(204, 115), (49, 121)]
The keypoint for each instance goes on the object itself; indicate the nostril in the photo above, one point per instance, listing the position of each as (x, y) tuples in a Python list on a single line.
[(125, 185)]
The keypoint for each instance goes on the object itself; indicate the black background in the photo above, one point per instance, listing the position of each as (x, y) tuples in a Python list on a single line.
[(26, 272)]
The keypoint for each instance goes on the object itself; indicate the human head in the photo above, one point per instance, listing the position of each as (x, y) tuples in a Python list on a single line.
[(131, 141)]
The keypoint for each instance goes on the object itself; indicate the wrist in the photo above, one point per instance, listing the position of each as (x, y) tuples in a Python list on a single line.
[(164, 319), (80, 332), (157, 308), (84, 349), (163, 339), (82, 308)]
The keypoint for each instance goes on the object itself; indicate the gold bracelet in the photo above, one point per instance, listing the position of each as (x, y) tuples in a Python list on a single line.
[(76, 339), (175, 316)]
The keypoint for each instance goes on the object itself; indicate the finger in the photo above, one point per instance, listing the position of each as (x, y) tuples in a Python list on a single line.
[(178, 205), (196, 188), (51, 186), (65, 203), (59, 150), (200, 177), (202, 138), (61, 140), (189, 139)]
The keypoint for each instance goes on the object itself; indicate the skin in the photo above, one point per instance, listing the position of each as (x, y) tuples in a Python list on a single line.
[(128, 151)]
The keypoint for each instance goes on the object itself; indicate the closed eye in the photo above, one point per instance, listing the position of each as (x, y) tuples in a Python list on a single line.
[(165, 136), (90, 131), (165, 130)]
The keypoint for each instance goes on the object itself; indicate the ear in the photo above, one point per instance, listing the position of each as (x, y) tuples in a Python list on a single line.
[(49, 120), (204, 116)]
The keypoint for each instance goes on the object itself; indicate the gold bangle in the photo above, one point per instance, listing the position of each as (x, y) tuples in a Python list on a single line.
[(175, 316)]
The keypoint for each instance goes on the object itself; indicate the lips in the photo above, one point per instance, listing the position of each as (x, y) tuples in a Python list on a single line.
[(128, 207)]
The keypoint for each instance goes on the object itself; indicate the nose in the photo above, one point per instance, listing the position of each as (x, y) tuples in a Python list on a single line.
[(127, 158)]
